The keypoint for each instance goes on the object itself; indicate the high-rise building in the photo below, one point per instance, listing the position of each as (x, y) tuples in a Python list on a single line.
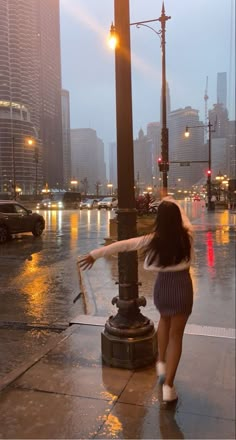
[(101, 166), (222, 88), (231, 150), (30, 92), (218, 117), (183, 150), (112, 156), (65, 106), (143, 162), (87, 154)]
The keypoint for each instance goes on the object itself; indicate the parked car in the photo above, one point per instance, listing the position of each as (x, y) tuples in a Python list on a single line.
[(108, 203), (61, 200), (88, 204), (15, 219)]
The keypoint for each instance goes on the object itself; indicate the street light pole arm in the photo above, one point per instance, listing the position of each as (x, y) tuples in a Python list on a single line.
[(209, 125), (138, 25)]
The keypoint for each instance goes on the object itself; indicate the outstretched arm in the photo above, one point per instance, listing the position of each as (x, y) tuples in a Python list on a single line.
[(132, 244)]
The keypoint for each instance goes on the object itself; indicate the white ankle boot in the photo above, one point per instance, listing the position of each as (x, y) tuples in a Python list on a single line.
[(169, 393)]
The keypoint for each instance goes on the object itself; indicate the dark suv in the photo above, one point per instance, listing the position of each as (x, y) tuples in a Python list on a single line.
[(14, 219)]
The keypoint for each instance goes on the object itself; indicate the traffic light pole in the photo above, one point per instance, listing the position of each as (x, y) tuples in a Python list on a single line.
[(210, 205)]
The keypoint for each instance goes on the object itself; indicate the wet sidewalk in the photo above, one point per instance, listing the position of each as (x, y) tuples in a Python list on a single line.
[(67, 393)]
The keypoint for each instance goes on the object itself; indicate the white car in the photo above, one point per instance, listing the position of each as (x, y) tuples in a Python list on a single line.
[(88, 204), (108, 203)]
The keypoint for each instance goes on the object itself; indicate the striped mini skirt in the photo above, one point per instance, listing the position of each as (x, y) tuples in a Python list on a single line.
[(173, 293)]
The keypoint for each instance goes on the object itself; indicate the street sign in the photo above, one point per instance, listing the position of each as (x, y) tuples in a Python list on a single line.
[(184, 164)]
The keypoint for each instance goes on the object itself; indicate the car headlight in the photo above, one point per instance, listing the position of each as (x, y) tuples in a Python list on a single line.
[(60, 204)]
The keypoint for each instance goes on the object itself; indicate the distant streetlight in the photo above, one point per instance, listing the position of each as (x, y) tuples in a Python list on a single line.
[(110, 185), (74, 183), (210, 205), (30, 142)]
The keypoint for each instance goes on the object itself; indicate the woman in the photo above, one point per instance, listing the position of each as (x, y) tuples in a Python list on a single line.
[(169, 251)]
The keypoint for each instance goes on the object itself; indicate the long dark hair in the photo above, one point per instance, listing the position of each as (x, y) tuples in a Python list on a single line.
[(171, 242)]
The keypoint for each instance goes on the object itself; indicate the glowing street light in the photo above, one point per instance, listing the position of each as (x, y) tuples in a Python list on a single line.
[(113, 38), (110, 185)]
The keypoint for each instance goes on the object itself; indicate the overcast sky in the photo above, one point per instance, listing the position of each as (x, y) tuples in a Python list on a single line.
[(199, 43)]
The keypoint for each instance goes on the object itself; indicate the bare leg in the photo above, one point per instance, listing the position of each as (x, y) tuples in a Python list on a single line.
[(163, 337), (174, 350)]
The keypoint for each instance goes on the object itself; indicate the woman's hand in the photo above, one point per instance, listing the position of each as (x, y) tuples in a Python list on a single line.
[(86, 262)]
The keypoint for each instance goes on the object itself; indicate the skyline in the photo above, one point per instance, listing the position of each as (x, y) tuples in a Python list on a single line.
[(204, 47)]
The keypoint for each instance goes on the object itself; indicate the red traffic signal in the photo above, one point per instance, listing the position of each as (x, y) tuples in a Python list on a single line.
[(209, 172), (163, 166)]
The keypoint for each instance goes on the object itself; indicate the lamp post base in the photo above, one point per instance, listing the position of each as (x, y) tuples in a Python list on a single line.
[(129, 339), (129, 352)]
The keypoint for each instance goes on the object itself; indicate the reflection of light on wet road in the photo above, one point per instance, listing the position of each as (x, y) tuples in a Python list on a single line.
[(53, 219), (89, 219), (74, 228), (210, 250), (222, 236), (98, 221), (59, 220), (34, 282)]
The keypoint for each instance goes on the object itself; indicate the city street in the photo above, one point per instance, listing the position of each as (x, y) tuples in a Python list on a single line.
[(39, 279)]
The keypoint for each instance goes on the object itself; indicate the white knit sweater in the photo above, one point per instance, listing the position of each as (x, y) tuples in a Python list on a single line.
[(134, 244)]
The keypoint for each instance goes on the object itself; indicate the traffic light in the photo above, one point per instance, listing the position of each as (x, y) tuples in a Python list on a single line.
[(209, 173), (163, 166), (160, 163)]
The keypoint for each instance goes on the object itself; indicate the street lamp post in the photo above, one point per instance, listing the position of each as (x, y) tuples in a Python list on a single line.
[(164, 130), (164, 163), (31, 143), (129, 338), (14, 167), (36, 158), (210, 205)]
